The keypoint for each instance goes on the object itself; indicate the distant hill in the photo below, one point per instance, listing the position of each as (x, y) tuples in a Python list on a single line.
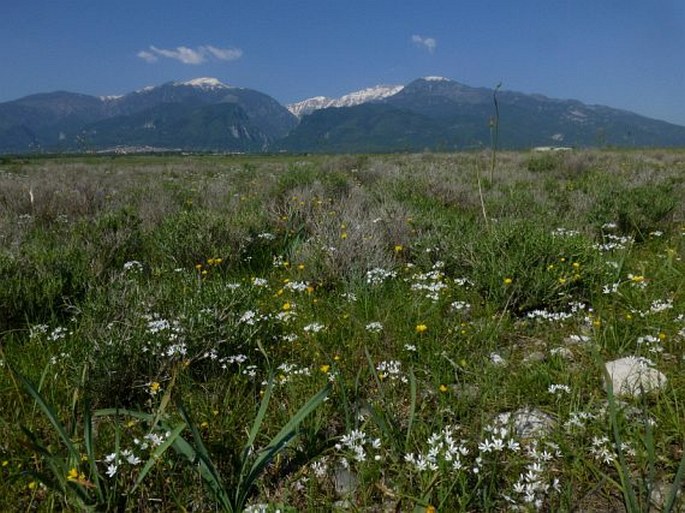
[(455, 116), (431, 113), (201, 114)]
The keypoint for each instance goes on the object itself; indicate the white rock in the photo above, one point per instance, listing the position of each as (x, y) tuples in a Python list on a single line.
[(527, 422), (633, 375)]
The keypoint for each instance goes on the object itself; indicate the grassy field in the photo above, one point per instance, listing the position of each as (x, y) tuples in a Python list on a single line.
[(343, 333)]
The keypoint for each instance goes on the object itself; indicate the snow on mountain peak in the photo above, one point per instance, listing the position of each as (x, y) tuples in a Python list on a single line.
[(204, 83), (369, 94), (436, 79)]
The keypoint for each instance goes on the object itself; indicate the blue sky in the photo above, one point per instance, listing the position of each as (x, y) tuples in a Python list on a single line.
[(626, 54)]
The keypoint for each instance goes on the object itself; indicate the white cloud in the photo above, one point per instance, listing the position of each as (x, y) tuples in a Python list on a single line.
[(147, 56), (430, 43), (182, 54), (187, 55), (224, 54)]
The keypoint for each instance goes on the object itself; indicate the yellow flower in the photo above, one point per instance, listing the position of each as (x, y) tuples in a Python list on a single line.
[(154, 387), (286, 306), (72, 475), (32, 485), (420, 328), (398, 248), (508, 281), (204, 425), (343, 235), (443, 388), (300, 267), (431, 509), (662, 336), (325, 368), (562, 280)]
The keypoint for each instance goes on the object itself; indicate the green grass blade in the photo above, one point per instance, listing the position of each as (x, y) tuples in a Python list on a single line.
[(675, 487), (199, 454), (627, 486), (412, 407), (49, 413), (110, 412), (278, 443), (158, 453), (257, 424), (90, 450)]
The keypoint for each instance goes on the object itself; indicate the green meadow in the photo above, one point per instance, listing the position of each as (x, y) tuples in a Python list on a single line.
[(419, 332)]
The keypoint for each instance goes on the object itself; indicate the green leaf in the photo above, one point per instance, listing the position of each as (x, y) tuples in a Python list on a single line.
[(199, 455), (158, 452), (48, 412), (277, 444)]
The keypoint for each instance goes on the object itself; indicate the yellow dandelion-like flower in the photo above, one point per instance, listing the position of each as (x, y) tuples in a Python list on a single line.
[(286, 307), (398, 248), (300, 267), (421, 328), (431, 509), (72, 474), (325, 368), (508, 281), (154, 387), (443, 388), (343, 235), (662, 336)]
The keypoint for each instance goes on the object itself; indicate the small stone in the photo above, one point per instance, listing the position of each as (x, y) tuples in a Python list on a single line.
[(562, 352), (345, 481), (527, 422), (535, 357), (634, 375)]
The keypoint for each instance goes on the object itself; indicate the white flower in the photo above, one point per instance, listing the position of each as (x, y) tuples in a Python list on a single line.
[(112, 469), (374, 327), (314, 327), (133, 266)]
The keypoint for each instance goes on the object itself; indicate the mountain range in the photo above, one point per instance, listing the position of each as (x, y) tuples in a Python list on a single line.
[(206, 115)]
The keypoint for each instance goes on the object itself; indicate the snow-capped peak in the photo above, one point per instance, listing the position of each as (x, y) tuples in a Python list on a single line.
[(204, 83), (369, 94), (355, 98), (111, 97), (436, 79)]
